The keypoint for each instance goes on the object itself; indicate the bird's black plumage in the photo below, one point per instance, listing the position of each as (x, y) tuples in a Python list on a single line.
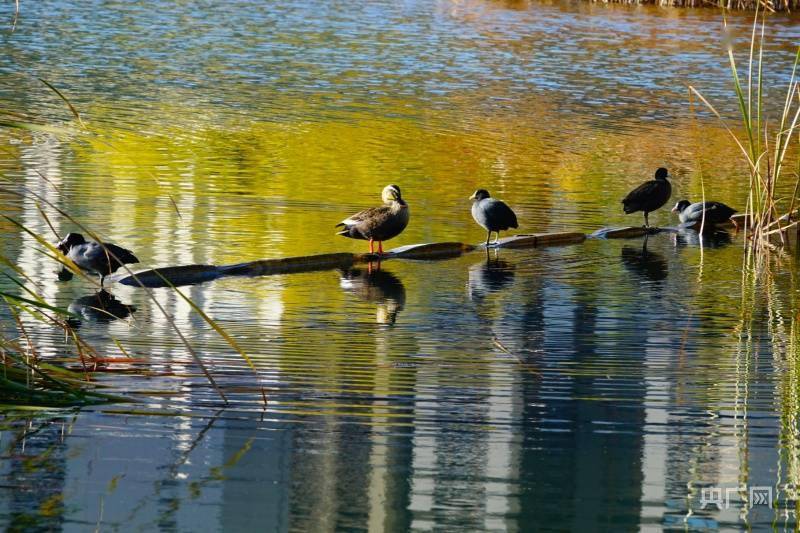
[(715, 212), (492, 214), (94, 257), (648, 196)]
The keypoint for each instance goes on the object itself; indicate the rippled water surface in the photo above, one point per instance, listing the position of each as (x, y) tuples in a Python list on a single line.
[(598, 385)]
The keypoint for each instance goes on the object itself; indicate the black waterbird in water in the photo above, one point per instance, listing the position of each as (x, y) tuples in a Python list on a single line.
[(491, 214), (694, 213), (94, 257), (648, 196), (378, 223)]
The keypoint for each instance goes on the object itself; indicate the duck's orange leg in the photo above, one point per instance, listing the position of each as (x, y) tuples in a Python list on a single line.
[(380, 247), (371, 249)]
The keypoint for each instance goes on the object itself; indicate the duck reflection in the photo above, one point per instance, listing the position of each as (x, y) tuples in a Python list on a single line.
[(644, 263), (491, 275), (376, 286), (99, 307), (715, 238)]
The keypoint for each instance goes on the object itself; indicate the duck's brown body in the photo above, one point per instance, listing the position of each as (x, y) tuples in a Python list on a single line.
[(378, 223)]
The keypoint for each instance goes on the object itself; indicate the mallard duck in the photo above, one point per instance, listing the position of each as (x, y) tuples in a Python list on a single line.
[(378, 223), (648, 196), (94, 257), (693, 213), (491, 214)]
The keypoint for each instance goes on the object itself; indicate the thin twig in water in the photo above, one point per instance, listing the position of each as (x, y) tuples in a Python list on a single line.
[(69, 104), (16, 16)]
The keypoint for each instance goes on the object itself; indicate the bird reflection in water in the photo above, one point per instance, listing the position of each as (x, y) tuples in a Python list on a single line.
[(376, 286), (64, 274), (491, 275), (99, 307), (716, 238), (644, 263)]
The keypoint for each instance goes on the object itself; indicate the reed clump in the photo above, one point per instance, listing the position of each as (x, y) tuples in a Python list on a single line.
[(19, 353), (25, 379), (741, 5), (768, 148)]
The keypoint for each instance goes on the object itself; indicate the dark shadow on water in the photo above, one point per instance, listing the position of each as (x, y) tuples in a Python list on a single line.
[(644, 263), (374, 285), (99, 307)]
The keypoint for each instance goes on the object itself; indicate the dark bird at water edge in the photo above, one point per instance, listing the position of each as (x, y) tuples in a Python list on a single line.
[(698, 212), (648, 196)]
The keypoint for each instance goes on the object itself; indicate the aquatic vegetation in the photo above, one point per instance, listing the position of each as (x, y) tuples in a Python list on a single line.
[(771, 5), (28, 381), (57, 255), (767, 150)]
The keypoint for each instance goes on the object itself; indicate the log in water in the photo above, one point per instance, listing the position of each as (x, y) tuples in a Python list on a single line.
[(193, 274)]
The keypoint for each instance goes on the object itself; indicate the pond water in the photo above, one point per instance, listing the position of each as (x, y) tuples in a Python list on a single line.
[(608, 382)]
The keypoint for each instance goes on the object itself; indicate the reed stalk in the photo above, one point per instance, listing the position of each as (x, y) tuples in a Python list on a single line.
[(766, 150)]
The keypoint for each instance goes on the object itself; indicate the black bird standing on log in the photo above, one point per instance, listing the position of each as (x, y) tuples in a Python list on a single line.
[(648, 196), (491, 214)]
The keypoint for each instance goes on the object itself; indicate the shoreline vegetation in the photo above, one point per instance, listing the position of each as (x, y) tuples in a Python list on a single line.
[(769, 151), (733, 5)]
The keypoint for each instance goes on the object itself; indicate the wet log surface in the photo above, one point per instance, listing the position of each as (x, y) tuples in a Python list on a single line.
[(629, 232), (193, 274)]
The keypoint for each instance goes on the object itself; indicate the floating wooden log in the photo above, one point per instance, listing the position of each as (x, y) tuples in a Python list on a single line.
[(555, 239), (291, 265), (172, 276), (627, 232), (192, 274), (515, 241), (439, 250), (532, 240)]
